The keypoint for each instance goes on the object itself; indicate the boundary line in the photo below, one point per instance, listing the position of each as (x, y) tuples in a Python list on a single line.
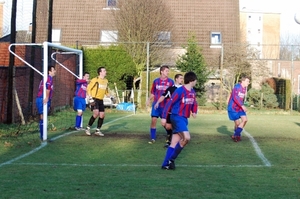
[(258, 150), (43, 144), (137, 165)]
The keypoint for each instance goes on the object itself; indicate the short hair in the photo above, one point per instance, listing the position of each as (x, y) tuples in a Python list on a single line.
[(86, 73), (50, 68), (243, 78), (177, 76), (189, 77), (163, 67), (100, 69)]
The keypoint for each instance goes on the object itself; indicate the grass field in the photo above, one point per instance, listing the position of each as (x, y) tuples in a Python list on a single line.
[(265, 164)]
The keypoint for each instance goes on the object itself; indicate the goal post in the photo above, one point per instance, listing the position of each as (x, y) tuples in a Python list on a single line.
[(46, 46), (45, 56)]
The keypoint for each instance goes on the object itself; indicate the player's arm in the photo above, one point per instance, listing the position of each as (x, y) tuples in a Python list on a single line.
[(168, 107), (165, 95), (149, 99), (194, 108), (48, 89), (47, 96)]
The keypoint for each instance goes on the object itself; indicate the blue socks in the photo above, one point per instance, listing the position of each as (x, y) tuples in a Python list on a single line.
[(153, 134), (172, 154), (169, 152), (238, 131), (176, 152), (78, 121), (41, 129)]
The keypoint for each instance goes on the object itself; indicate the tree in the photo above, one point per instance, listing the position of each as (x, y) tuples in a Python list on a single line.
[(242, 60), (139, 22), (194, 61), (290, 47)]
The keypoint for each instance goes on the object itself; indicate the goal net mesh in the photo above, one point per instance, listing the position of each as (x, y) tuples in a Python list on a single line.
[(29, 70)]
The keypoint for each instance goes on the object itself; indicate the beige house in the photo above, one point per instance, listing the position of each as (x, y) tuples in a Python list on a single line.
[(262, 31)]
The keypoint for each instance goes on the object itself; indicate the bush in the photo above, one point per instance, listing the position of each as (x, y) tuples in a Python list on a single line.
[(263, 98)]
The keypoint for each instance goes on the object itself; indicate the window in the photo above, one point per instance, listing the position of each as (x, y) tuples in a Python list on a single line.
[(215, 38), (111, 3), (56, 35), (164, 36), (109, 36)]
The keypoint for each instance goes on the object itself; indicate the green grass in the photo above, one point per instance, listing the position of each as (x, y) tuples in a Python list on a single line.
[(123, 165)]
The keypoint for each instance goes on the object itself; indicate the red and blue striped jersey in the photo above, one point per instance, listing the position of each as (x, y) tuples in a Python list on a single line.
[(182, 103), (158, 88), (81, 86), (236, 100), (49, 86)]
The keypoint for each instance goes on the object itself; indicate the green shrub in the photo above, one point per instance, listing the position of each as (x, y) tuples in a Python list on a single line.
[(263, 98)]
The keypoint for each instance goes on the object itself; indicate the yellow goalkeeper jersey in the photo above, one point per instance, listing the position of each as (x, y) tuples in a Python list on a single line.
[(98, 88)]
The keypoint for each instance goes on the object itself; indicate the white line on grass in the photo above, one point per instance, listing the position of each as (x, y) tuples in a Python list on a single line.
[(134, 165), (43, 144), (257, 149)]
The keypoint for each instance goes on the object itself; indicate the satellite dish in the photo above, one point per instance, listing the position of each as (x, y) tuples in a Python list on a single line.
[(297, 17)]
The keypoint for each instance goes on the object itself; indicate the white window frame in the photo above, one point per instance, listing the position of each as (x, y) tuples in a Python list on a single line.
[(111, 5), (56, 36), (215, 38), (108, 36)]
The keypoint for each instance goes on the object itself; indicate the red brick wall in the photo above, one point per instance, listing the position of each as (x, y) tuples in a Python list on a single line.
[(64, 82)]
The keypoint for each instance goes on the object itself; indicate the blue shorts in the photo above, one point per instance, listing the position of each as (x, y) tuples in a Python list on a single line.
[(79, 103), (179, 123), (40, 105), (236, 115), (156, 112)]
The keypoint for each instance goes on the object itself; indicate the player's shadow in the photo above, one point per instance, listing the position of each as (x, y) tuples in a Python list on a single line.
[(297, 123), (224, 130)]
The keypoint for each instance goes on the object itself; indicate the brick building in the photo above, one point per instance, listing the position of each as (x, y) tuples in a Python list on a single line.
[(85, 22)]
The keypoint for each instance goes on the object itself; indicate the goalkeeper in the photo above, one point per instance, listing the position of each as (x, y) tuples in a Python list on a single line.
[(97, 89)]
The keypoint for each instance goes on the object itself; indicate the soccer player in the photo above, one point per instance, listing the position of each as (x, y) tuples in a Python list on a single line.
[(182, 104), (236, 108), (159, 86), (41, 100), (79, 99), (97, 89), (167, 95)]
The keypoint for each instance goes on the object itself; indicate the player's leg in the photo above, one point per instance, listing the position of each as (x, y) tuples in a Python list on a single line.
[(175, 139), (78, 108), (169, 130), (241, 126), (180, 126), (155, 113), (234, 116), (95, 110), (100, 118), (39, 106)]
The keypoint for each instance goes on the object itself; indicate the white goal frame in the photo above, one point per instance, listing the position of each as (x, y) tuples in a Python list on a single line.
[(46, 46)]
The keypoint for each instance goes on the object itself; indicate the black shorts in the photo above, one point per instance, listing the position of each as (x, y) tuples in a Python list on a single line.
[(168, 118), (98, 105)]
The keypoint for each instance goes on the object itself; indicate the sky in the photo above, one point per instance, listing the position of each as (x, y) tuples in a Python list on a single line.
[(287, 8)]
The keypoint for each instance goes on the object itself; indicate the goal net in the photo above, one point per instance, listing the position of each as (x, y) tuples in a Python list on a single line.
[(68, 63)]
